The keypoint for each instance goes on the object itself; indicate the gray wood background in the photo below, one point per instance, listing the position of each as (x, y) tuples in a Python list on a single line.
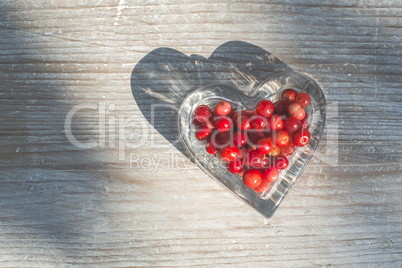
[(112, 206)]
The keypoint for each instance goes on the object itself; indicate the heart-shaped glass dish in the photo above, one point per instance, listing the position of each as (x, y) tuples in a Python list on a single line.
[(272, 88)]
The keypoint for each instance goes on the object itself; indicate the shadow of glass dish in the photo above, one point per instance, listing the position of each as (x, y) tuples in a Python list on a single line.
[(168, 86), (165, 77)]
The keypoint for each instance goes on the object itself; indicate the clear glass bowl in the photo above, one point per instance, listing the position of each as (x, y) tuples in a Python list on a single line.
[(272, 88)]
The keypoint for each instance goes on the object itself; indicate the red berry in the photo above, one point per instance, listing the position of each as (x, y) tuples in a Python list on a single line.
[(296, 111), (254, 159), (264, 185), (275, 122), (301, 137), (248, 113), (236, 166), (202, 132), (202, 113), (211, 149), (303, 99), (222, 123), (281, 162), (243, 122), (252, 178), (288, 149), (271, 174), (265, 108), (239, 138), (264, 162), (229, 153), (259, 123), (196, 123), (291, 124), (264, 146), (275, 151), (288, 95), (280, 138), (281, 107), (223, 108), (304, 123)]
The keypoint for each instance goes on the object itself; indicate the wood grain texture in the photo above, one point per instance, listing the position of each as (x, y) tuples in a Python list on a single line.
[(64, 206)]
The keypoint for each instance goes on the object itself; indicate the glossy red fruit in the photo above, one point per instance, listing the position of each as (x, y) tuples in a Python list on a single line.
[(296, 111), (252, 178), (229, 153), (264, 146), (210, 148), (271, 174), (195, 122), (265, 108), (223, 108), (254, 159), (202, 133), (222, 123), (275, 122), (280, 138), (202, 112), (258, 123), (249, 113), (243, 122), (264, 162), (288, 149), (281, 162), (264, 185), (303, 99), (291, 124), (301, 137), (304, 123), (288, 95), (275, 151), (239, 138), (236, 166), (281, 107)]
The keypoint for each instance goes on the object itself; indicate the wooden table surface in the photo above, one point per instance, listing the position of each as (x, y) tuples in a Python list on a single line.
[(88, 179)]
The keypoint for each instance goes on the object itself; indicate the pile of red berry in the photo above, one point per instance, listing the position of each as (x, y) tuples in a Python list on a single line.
[(256, 143)]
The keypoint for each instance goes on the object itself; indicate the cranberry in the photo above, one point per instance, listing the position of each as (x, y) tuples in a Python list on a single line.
[(281, 162), (281, 107), (196, 123), (254, 159), (296, 111), (243, 122), (275, 122), (258, 123), (222, 123), (265, 108), (211, 149), (202, 132), (264, 162), (252, 178), (275, 151), (288, 95), (239, 138), (202, 113), (249, 113), (289, 149), (223, 108), (264, 146), (236, 166), (303, 99), (280, 138), (291, 124), (229, 153), (271, 174), (264, 185), (301, 137)]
